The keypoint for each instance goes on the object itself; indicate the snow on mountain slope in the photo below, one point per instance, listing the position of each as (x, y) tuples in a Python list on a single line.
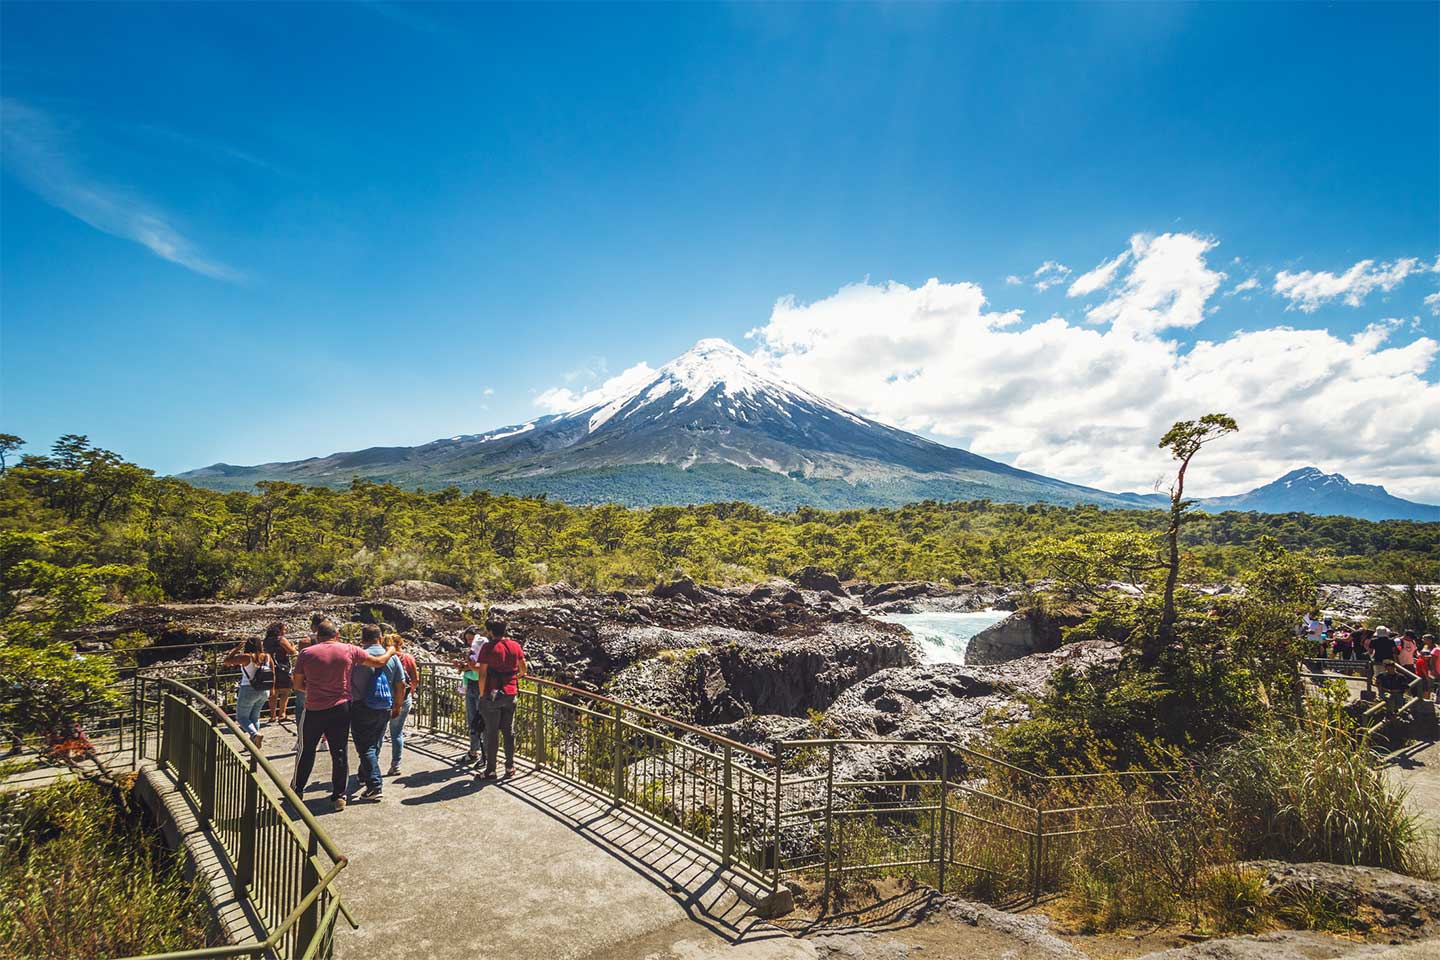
[(713, 407)]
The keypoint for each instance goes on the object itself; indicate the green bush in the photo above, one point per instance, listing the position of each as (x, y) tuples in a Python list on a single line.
[(78, 879)]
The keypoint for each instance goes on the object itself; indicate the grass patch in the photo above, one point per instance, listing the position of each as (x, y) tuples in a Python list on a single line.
[(78, 878)]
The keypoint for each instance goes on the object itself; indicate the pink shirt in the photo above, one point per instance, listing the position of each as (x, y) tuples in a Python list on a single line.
[(326, 667)]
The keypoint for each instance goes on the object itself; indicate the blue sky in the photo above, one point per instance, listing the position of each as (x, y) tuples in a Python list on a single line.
[(254, 232)]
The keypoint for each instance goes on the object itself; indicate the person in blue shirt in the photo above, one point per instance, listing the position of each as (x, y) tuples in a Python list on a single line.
[(377, 694)]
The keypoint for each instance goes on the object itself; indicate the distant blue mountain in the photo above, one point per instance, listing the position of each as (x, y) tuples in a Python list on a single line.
[(1311, 490)]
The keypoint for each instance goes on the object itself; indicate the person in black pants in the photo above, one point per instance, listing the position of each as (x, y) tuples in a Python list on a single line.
[(322, 670), (501, 663)]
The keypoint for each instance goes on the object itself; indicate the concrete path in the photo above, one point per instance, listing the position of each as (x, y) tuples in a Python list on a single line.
[(447, 867)]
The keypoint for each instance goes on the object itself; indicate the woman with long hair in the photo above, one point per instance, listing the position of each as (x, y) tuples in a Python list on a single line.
[(282, 653), (256, 679)]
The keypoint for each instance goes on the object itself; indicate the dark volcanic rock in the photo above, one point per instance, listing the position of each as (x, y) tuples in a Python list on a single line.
[(717, 674), (814, 578), (944, 702), (683, 587)]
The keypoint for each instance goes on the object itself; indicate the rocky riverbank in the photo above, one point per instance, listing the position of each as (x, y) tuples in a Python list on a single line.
[(758, 661)]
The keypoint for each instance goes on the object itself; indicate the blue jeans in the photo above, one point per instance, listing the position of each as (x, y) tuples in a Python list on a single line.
[(397, 733), (367, 729), (473, 720), (249, 702)]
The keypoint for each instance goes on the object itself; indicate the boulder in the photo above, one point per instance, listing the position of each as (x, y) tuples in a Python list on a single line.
[(1399, 903), (681, 587), (814, 578)]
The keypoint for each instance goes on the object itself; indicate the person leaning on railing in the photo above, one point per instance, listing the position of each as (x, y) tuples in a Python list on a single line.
[(256, 679), (470, 679), (322, 671), (500, 664)]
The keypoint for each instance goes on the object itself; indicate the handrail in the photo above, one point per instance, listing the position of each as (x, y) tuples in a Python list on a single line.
[(631, 708), (286, 791), (219, 723)]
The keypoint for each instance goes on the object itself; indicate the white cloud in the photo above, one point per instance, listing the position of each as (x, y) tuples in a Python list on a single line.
[(1050, 274), (1088, 403), (1308, 290), (1167, 285), (34, 151), (564, 400), (1013, 280), (1244, 285), (1433, 302), (1099, 278)]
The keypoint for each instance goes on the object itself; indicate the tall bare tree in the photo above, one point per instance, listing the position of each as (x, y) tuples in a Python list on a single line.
[(1183, 440)]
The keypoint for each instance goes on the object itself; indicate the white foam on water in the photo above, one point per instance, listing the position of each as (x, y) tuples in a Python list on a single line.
[(944, 637)]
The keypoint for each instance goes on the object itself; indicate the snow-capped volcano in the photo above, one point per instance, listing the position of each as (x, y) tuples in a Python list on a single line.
[(712, 424), (715, 372)]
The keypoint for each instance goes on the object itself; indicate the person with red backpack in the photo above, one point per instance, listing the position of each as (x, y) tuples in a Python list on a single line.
[(501, 664)]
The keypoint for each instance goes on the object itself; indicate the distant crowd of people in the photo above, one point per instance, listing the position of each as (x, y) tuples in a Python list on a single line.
[(362, 694), (1401, 658)]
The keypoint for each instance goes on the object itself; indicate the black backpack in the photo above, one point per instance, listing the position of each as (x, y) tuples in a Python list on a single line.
[(263, 678)]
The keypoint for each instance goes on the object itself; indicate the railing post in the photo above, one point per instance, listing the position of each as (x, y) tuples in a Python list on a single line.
[(829, 828), (431, 682), (775, 876), (944, 815), (166, 728), (1039, 847), (207, 773), (727, 815), (138, 746), (249, 825), (618, 790), (539, 725), (309, 923)]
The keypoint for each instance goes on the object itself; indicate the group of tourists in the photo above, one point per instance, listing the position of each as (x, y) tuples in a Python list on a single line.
[(1400, 657), (345, 694)]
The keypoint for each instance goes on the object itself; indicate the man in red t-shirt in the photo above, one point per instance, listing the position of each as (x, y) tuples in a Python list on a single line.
[(322, 673), (501, 664)]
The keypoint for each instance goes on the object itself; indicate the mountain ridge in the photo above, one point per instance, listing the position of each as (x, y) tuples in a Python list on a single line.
[(713, 424)]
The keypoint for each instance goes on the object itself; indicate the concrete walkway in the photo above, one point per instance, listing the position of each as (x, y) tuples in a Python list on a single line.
[(448, 867)]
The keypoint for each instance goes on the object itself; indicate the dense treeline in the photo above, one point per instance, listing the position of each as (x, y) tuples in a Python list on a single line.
[(162, 538)]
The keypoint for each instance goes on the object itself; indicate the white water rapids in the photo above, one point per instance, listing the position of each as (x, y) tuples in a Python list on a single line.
[(944, 636)]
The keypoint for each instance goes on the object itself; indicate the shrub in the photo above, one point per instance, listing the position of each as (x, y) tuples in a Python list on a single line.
[(79, 880)]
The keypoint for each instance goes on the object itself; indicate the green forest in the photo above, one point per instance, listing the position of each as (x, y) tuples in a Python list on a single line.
[(86, 513)]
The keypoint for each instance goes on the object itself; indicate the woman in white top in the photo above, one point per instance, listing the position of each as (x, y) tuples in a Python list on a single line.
[(255, 682)]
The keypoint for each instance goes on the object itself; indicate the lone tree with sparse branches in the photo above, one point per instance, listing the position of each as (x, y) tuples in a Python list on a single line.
[(1183, 440)]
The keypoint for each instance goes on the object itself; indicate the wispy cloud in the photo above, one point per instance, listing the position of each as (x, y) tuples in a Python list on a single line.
[(35, 154), (1308, 290), (1049, 274), (1099, 278)]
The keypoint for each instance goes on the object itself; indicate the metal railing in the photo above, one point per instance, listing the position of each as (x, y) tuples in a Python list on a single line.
[(284, 864), (716, 794), (975, 823), (963, 821)]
